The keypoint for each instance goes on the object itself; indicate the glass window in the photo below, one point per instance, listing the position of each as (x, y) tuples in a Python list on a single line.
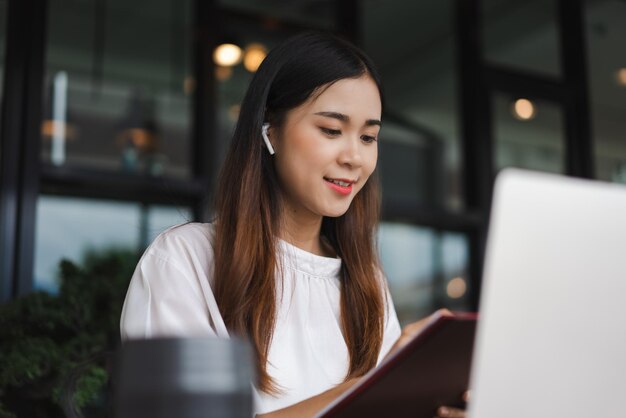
[(67, 227), (522, 34), (319, 14), (162, 217), (411, 165), (426, 269), (420, 126), (117, 86), (606, 34), (528, 134)]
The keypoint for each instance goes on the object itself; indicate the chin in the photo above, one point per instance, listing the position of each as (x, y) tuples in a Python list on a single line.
[(336, 212)]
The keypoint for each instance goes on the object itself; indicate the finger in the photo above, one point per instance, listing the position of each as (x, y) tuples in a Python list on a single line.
[(466, 396), (447, 412), (414, 327), (445, 312)]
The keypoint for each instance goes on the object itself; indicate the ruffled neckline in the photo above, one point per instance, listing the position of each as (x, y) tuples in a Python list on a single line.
[(309, 263)]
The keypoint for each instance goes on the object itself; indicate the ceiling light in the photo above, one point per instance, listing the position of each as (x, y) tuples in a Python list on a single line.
[(523, 109), (227, 55), (254, 56)]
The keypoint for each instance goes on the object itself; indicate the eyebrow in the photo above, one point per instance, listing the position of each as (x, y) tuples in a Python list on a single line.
[(346, 118)]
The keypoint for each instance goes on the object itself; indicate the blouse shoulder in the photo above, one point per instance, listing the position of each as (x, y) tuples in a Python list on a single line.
[(170, 292), (185, 244), (190, 233)]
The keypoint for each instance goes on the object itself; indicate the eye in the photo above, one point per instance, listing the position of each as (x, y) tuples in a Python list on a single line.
[(331, 132), (368, 139)]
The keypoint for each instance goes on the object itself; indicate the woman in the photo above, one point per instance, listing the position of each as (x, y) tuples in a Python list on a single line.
[(290, 260)]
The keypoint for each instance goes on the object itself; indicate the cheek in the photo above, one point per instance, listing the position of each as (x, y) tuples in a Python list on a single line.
[(370, 160), (309, 156), (299, 160), (298, 143)]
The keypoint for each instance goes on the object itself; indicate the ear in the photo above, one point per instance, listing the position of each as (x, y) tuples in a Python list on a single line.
[(265, 132)]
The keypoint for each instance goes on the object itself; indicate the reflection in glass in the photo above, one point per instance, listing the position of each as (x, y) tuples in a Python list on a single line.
[(522, 34), (606, 34), (117, 86), (67, 227), (411, 165), (3, 37), (532, 140), (426, 269), (420, 123)]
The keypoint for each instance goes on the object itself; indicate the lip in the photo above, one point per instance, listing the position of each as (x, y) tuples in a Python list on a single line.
[(343, 190)]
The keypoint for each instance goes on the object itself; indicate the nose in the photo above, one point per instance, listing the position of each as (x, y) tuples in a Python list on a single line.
[(351, 152)]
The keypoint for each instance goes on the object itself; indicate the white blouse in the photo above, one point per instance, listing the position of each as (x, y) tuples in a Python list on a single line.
[(170, 295)]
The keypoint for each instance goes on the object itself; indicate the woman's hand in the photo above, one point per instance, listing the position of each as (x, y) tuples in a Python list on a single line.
[(412, 329), (449, 412)]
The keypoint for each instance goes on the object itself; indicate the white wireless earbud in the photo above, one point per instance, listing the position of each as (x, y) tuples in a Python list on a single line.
[(266, 139)]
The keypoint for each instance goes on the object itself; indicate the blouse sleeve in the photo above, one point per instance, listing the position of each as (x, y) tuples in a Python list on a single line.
[(170, 296)]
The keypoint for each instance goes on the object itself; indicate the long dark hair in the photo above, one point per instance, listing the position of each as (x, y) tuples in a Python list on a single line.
[(248, 208)]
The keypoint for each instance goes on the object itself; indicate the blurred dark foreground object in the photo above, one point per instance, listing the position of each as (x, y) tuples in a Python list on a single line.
[(56, 350), (183, 378)]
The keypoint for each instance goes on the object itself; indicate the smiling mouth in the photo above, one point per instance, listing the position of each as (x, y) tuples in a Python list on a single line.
[(341, 186), (342, 182)]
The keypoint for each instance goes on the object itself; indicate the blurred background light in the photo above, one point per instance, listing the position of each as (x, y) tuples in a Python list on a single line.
[(456, 288), (223, 73), (621, 77), (227, 55), (233, 112), (524, 109), (189, 85), (253, 57)]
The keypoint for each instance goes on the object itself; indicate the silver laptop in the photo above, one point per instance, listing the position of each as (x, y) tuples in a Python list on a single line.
[(551, 339)]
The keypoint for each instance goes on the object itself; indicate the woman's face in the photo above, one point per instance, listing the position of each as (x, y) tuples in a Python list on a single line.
[(327, 148)]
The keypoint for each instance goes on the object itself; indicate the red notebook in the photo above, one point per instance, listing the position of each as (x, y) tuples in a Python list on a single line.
[(432, 370)]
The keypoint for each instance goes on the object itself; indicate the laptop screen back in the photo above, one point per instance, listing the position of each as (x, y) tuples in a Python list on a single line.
[(551, 341)]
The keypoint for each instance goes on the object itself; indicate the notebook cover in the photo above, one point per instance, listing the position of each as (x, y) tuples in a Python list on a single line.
[(432, 370)]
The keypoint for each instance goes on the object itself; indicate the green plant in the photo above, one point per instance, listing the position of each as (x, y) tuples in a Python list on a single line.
[(56, 350)]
